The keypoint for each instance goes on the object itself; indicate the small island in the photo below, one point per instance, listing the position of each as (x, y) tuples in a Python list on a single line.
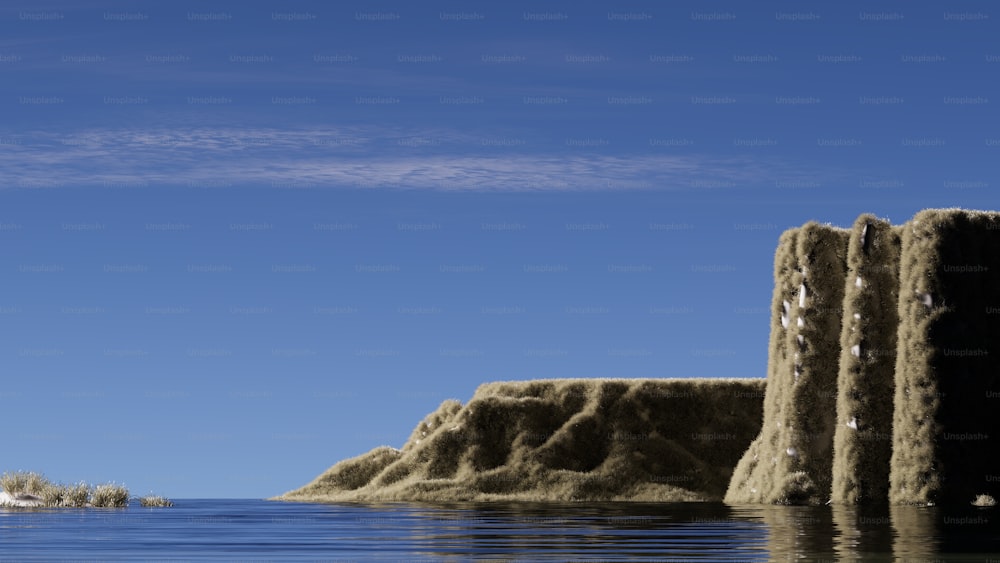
[(28, 489)]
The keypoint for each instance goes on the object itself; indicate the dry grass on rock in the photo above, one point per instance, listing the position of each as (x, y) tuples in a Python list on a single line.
[(863, 438), (948, 362), (566, 440), (789, 462)]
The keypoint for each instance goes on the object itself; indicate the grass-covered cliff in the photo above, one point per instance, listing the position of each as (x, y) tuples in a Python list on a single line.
[(882, 383), (866, 381), (945, 429), (563, 439), (884, 366), (790, 461)]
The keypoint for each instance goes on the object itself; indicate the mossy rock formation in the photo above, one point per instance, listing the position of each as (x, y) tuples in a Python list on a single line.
[(946, 432), (563, 440), (790, 461), (883, 376), (863, 440), (916, 367)]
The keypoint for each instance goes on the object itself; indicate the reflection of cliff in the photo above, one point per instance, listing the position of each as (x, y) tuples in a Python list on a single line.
[(655, 440), (861, 531), (888, 394), (916, 532), (796, 530)]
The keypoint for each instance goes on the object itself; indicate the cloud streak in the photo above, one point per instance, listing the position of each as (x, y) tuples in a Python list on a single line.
[(361, 157)]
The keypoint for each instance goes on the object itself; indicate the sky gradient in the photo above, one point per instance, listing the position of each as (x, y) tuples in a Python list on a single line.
[(240, 242)]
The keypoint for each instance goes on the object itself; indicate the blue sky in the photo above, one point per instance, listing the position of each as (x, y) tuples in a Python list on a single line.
[(242, 241)]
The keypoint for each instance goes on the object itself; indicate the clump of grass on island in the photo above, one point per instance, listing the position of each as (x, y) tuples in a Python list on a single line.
[(28, 488), (59, 495), (109, 496), (76, 495), (23, 482), (155, 501)]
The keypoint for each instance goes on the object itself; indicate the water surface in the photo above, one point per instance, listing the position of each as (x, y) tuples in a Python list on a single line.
[(212, 529)]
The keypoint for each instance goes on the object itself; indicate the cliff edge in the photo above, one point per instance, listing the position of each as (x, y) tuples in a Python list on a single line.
[(887, 395), (563, 440), (883, 377)]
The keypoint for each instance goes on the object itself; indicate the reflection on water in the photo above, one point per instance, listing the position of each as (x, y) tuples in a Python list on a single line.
[(712, 531), (916, 532), (241, 529), (897, 533), (863, 532), (633, 531), (707, 531)]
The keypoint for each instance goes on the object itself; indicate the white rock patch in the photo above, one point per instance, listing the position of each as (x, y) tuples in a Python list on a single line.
[(926, 299)]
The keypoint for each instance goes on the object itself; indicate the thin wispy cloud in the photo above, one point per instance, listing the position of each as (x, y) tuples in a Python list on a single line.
[(357, 157)]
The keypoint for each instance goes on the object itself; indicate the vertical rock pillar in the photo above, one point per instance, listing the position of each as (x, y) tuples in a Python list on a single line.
[(863, 437), (790, 461), (946, 431)]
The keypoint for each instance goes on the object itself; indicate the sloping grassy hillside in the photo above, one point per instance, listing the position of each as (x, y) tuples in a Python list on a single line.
[(565, 440)]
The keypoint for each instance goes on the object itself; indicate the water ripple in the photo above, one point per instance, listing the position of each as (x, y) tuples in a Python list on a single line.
[(199, 530)]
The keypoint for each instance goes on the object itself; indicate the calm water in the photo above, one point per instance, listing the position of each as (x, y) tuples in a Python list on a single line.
[(261, 530)]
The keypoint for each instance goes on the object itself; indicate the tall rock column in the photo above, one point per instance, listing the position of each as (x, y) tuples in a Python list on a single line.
[(790, 461), (863, 439), (946, 431)]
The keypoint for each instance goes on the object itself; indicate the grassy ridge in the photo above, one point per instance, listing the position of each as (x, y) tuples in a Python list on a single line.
[(563, 439)]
